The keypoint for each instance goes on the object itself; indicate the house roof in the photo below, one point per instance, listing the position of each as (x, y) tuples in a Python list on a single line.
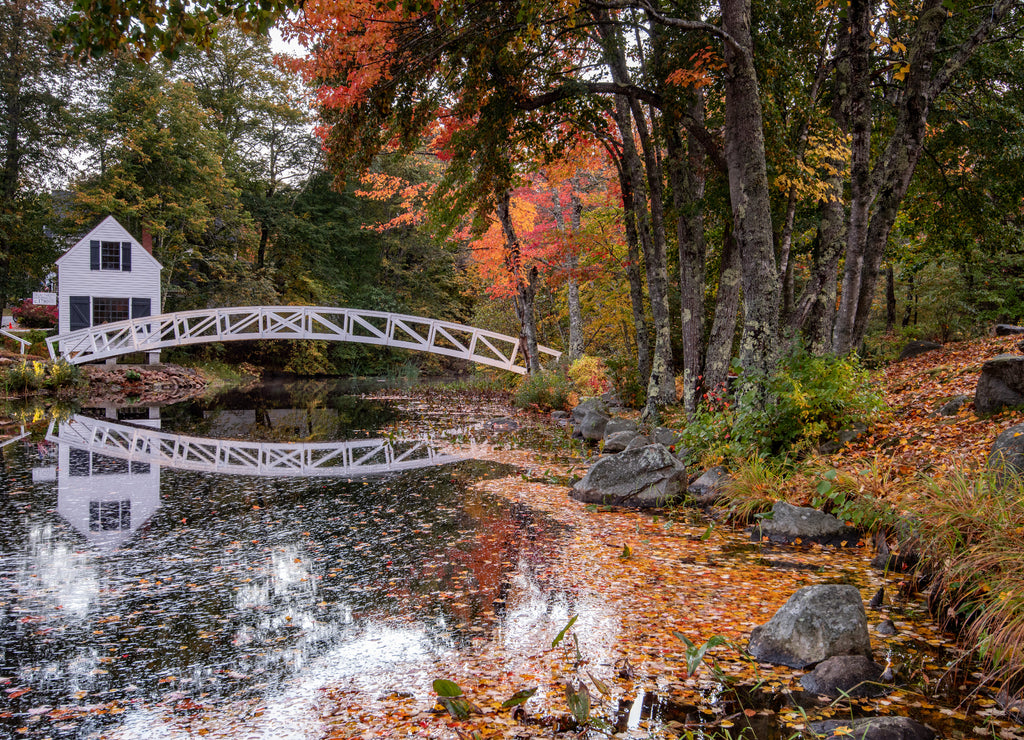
[(124, 235)]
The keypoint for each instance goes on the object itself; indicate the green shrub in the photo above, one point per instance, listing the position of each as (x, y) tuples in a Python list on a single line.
[(813, 398), (626, 380), (545, 390), (809, 399), (62, 374), (590, 376), (710, 436), (24, 376)]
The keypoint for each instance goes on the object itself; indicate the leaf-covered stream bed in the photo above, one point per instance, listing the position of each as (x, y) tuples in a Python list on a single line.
[(154, 601)]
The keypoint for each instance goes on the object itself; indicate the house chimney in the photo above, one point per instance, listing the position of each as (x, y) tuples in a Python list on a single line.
[(147, 240)]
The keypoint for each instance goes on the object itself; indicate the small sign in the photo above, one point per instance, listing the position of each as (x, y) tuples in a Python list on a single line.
[(44, 299)]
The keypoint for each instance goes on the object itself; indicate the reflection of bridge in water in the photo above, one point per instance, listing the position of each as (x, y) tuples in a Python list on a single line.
[(351, 458)]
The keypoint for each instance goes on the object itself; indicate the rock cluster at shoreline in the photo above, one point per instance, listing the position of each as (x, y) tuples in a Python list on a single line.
[(149, 384)]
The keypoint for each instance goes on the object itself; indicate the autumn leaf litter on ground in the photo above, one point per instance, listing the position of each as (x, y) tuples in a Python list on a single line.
[(675, 581)]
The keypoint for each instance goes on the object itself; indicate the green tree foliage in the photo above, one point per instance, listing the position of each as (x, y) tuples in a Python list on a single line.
[(160, 170), (35, 130)]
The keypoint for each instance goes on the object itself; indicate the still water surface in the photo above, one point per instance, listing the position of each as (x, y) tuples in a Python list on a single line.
[(224, 552)]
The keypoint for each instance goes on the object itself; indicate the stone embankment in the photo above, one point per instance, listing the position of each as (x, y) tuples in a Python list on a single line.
[(144, 384)]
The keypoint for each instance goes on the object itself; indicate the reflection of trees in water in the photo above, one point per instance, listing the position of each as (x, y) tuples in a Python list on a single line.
[(235, 582), (305, 409)]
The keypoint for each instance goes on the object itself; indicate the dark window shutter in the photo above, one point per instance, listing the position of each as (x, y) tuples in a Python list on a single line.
[(140, 308), (94, 255), (79, 312), (126, 256)]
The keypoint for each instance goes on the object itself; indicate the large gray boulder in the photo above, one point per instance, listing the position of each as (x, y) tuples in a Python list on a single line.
[(916, 347), (1007, 330), (618, 441), (707, 489), (1001, 385), (791, 523), (817, 623), (644, 477), (619, 425), (850, 675), (592, 426), (1007, 451), (587, 406), (873, 728)]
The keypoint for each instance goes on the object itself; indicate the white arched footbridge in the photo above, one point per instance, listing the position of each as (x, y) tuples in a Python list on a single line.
[(351, 458), (153, 333)]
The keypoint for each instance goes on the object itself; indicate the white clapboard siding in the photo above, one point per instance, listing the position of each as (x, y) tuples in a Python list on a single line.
[(74, 278)]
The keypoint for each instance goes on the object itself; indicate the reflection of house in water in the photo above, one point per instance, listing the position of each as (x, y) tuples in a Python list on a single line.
[(143, 416), (105, 498), (108, 472)]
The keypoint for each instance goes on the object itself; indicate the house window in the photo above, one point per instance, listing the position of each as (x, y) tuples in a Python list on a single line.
[(110, 255), (109, 309), (107, 516)]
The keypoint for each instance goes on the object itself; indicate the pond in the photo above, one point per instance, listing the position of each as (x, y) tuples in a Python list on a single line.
[(152, 557), (302, 560)]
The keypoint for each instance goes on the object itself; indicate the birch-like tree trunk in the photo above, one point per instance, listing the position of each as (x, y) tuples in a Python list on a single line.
[(526, 284), (687, 179), (634, 271), (723, 328), (572, 284), (749, 195)]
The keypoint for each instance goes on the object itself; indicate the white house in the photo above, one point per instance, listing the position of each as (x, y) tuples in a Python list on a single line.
[(107, 276)]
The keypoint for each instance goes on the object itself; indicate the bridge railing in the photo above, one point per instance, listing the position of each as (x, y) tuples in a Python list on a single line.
[(292, 322), (350, 458)]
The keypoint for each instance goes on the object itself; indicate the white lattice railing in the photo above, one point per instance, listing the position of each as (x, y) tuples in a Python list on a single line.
[(291, 322), (351, 458)]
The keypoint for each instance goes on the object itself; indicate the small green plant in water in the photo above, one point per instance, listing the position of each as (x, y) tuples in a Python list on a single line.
[(695, 653), (452, 699)]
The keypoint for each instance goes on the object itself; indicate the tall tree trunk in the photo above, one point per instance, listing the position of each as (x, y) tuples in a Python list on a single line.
[(890, 299), (815, 312), (661, 383), (687, 178), (858, 113), (634, 273), (573, 285), (13, 105), (891, 176), (526, 285), (723, 328), (749, 195)]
